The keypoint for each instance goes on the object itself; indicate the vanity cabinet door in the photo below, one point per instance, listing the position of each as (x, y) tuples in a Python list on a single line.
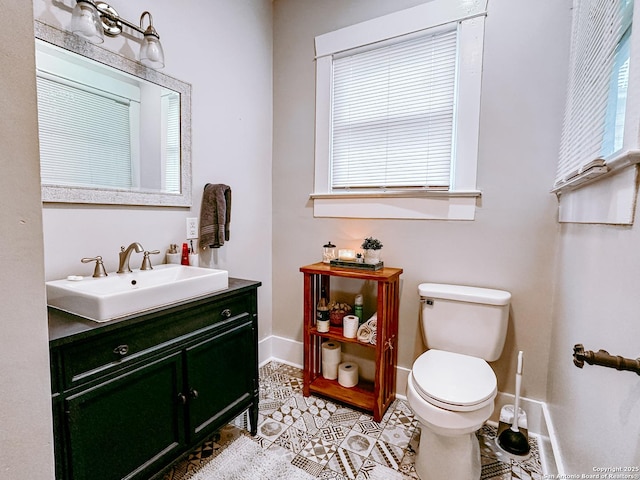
[(127, 426), (222, 377)]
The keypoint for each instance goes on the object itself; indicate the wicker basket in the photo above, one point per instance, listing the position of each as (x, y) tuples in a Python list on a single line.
[(337, 312)]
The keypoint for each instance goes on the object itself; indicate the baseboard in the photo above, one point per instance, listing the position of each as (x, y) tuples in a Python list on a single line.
[(291, 352), (282, 350)]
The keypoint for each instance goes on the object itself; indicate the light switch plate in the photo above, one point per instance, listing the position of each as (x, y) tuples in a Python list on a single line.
[(192, 228)]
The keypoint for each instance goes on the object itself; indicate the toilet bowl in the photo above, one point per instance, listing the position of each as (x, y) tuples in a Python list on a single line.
[(451, 388), (452, 396)]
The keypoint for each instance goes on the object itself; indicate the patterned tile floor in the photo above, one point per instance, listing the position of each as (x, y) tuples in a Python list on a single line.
[(332, 441)]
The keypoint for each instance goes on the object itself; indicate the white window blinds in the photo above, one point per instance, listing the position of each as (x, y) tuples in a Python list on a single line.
[(393, 115), (597, 90), (172, 143), (96, 126)]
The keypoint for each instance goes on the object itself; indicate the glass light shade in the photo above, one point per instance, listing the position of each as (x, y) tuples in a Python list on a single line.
[(151, 53), (86, 23)]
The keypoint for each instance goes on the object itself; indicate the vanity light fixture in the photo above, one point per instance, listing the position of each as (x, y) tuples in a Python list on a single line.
[(90, 19), (86, 23)]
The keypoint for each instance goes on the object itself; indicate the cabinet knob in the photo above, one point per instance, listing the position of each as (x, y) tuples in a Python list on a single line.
[(226, 313), (121, 350), (194, 393), (182, 398)]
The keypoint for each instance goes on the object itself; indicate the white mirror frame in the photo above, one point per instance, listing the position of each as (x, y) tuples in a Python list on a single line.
[(65, 194)]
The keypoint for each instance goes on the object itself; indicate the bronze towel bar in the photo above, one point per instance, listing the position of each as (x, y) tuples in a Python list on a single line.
[(603, 358)]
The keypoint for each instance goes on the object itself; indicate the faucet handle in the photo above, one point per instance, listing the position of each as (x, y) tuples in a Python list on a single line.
[(146, 261), (99, 271)]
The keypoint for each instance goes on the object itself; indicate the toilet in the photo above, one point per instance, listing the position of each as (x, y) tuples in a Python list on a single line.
[(451, 388)]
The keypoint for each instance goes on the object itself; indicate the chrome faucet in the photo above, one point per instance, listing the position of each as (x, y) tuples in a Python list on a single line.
[(125, 254)]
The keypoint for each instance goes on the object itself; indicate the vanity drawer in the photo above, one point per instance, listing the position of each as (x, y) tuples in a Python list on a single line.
[(85, 360)]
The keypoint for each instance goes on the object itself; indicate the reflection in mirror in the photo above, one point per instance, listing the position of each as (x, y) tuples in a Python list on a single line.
[(111, 130)]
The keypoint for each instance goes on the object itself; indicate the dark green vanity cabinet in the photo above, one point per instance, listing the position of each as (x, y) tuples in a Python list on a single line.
[(132, 395)]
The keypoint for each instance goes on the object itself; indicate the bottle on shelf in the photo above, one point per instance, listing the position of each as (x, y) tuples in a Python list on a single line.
[(322, 313), (357, 308)]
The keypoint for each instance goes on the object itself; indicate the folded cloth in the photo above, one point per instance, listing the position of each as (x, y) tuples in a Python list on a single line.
[(364, 333), (368, 331), (373, 321), (215, 215)]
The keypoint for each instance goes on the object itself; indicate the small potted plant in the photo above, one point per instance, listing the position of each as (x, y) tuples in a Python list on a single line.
[(371, 247)]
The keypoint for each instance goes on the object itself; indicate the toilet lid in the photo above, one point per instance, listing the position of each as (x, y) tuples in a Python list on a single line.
[(454, 381)]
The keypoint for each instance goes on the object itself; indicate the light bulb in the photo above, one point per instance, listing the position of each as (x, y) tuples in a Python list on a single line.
[(151, 53), (86, 23)]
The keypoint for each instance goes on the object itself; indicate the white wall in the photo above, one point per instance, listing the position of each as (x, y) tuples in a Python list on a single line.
[(511, 244), (26, 438), (596, 410), (223, 49)]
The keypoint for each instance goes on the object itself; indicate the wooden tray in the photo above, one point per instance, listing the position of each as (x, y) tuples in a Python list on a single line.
[(357, 265)]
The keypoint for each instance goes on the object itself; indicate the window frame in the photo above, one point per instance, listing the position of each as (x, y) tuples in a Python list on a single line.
[(457, 203), (604, 190)]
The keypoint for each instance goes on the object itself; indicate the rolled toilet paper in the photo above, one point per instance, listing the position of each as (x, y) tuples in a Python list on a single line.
[(350, 326), (330, 370), (331, 352), (348, 374)]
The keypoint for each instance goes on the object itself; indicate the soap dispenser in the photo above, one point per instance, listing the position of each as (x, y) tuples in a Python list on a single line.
[(185, 254)]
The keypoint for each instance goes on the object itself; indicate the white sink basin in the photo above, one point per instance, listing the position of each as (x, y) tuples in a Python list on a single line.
[(117, 295)]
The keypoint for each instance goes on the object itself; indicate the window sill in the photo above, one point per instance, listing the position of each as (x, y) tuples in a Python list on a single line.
[(597, 170), (610, 200), (603, 194), (423, 205)]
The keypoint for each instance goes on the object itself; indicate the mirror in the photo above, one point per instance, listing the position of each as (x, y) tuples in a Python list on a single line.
[(112, 131)]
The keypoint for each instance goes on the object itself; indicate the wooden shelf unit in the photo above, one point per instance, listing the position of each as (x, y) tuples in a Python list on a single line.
[(375, 396)]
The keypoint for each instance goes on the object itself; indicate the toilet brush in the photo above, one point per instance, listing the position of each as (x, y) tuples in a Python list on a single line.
[(514, 440)]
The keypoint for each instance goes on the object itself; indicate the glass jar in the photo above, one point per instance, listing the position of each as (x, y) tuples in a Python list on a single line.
[(328, 252)]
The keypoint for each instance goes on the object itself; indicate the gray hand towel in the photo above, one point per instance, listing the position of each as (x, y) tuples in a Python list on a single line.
[(215, 215)]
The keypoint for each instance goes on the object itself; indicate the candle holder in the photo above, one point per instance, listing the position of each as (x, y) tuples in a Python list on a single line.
[(347, 255)]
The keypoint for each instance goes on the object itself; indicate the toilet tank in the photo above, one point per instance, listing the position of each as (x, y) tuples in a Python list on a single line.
[(467, 320)]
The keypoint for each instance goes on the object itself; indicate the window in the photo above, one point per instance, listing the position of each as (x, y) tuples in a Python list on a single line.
[(393, 114), (397, 119), (597, 92), (599, 134)]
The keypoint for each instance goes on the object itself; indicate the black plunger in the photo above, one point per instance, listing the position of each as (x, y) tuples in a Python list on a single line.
[(512, 439)]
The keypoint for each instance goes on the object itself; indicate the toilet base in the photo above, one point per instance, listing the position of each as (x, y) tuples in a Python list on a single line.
[(451, 457)]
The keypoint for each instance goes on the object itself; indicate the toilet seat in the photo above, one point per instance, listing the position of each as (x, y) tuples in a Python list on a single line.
[(453, 381)]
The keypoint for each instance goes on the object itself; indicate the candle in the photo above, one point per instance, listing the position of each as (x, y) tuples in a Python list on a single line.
[(347, 254)]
